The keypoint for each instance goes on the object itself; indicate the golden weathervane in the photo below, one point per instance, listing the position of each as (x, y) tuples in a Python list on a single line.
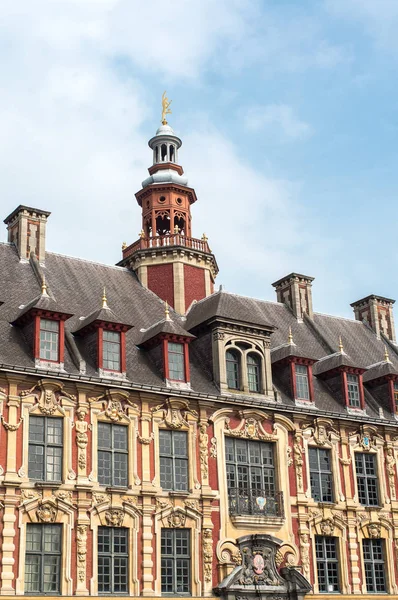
[(165, 108)]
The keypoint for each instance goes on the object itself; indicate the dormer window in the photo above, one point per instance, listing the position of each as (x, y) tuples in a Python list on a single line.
[(49, 340), (396, 396), (302, 384), (176, 361), (233, 369), (111, 350), (353, 390), (253, 372)]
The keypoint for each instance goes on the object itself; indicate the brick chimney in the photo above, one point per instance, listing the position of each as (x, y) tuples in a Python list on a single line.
[(294, 290), (377, 312), (27, 230)]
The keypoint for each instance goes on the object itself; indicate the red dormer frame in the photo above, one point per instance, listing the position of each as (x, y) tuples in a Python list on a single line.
[(119, 328), (39, 314), (177, 339), (352, 371), (295, 360)]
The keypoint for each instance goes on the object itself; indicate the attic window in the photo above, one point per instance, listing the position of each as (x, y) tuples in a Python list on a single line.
[(176, 361), (111, 350), (49, 340), (354, 399), (233, 369), (396, 396), (302, 386)]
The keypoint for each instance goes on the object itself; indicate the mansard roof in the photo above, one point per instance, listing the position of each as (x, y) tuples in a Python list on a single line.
[(76, 285)]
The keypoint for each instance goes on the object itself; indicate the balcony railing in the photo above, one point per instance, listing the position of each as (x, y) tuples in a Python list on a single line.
[(255, 502), (163, 241)]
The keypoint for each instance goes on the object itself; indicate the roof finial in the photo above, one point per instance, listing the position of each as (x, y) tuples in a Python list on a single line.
[(166, 311), (104, 300), (290, 338), (44, 286), (341, 347), (165, 108), (386, 355)]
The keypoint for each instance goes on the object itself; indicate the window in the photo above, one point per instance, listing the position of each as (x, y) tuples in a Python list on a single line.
[(176, 561), (302, 387), (320, 475), (173, 449), (43, 559), (250, 476), (354, 400), (373, 558), (49, 340), (396, 396), (112, 454), (176, 361), (111, 350), (233, 375), (365, 465), (327, 564), (113, 560), (253, 372), (45, 448)]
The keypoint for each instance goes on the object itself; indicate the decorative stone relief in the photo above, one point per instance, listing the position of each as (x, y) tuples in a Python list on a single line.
[(327, 526), (249, 428), (207, 548), (114, 517), (305, 554), (374, 530), (48, 395), (218, 335), (176, 519), (289, 456), (100, 498), (81, 551), (114, 410), (192, 504), (9, 426), (258, 567), (28, 495), (145, 440), (203, 449), (46, 513), (174, 413), (390, 467), (65, 496), (81, 426), (213, 447), (298, 452)]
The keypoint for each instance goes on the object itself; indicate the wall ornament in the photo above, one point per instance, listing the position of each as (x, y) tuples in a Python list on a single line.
[(114, 517)]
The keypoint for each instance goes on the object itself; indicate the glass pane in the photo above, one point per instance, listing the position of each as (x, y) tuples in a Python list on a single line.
[(104, 435), (54, 431), (51, 572), (104, 574), (119, 437), (180, 443), (36, 429), (36, 462), (32, 573), (176, 362)]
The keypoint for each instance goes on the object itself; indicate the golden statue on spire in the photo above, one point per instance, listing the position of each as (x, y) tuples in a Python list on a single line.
[(165, 108)]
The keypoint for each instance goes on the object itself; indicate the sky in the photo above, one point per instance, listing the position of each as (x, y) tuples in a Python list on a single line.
[(288, 113)]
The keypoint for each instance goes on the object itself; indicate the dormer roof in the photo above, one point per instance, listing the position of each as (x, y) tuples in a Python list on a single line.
[(166, 327)]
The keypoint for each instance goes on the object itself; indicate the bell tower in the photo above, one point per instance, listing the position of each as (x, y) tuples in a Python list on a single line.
[(166, 258)]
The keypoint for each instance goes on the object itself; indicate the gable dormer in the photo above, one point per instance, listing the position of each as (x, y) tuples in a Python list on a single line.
[(382, 379)]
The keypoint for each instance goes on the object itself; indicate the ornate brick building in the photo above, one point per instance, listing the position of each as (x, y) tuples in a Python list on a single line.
[(160, 438)]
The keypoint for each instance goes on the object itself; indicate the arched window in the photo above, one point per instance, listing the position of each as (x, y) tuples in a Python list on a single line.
[(171, 153), (253, 372), (157, 154), (163, 150), (233, 369)]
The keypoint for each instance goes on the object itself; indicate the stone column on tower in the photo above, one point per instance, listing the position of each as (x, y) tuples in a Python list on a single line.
[(166, 258)]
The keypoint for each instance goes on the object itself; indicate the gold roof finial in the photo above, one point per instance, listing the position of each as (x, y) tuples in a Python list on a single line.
[(166, 311), (204, 238), (165, 108), (290, 338), (341, 347), (104, 300), (386, 355), (44, 286), (124, 245), (142, 234)]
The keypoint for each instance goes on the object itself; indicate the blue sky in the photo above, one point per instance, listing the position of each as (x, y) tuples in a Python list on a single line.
[(288, 113)]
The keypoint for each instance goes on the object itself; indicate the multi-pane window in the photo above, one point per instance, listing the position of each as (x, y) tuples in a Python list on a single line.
[(173, 451), (112, 454), (366, 469), (49, 340), (302, 387), (373, 558), (113, 560), (176, 561), (320, 475), (176, 361), (233, 369), (327, 564), (111, 350), (354, 400), (43, 559), (253, 372), (45, 448), (250, 475), (396, 396)]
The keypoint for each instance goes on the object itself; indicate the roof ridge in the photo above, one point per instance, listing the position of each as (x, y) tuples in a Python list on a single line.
[(338, 317), (87, 260)]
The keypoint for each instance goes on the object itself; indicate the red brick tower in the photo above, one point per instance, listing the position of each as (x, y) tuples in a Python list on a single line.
[(166, 258)]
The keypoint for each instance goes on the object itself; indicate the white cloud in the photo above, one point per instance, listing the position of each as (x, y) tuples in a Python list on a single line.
[(278, 118)]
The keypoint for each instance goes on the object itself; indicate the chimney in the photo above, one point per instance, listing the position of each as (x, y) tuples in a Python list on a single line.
[(376, 311), (27, 230), (294, 290)]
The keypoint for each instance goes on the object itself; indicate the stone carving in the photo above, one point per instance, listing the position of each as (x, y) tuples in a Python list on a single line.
[(236, 558), (10, 427), (174, 413), (298, 461), (48, 395), (47, 513), (81, 426), (132, 500), (64, 496), (176, 519), (213, 447), (192, 504), (327, 526), (305, 554), (249, 428), (28, 495), (114, 517), (374, 530), (203, 449), (100, 498), (81, 537), (289, 456), (218, 335), (390, 467), (71, 475), (258, 567), (145, 440), (207, 548), (162, 504), (114, 410), (345, 461)]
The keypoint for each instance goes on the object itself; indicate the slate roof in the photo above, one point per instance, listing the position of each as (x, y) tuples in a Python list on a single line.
[(165, 326), (77, 285)]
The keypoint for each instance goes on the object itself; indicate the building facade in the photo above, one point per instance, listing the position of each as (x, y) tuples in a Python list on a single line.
[(160, 438)]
